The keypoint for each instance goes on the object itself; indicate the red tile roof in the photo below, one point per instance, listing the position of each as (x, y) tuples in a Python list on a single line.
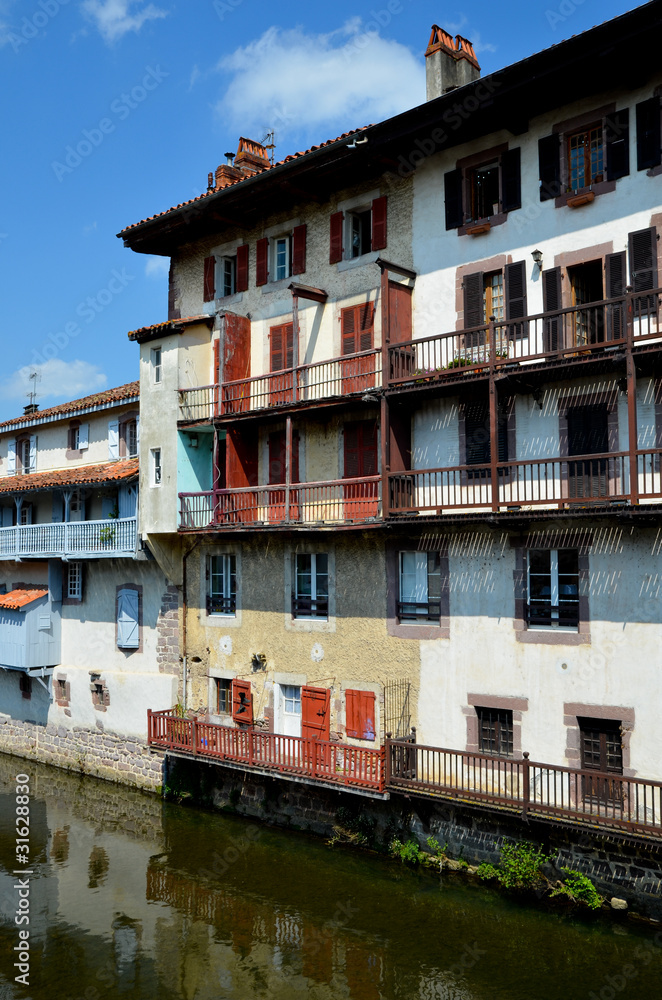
[(82, 475), (116, 395), (17, 599), (169, 326), (241, 180)]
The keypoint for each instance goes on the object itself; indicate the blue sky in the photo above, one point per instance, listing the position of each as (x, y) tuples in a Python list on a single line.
[(114, 110)]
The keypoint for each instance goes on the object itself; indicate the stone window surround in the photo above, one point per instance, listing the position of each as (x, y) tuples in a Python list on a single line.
[(96, 680), (571, 711), (62, 699), (559, 539), (130, 586), (308, 548), (220, 621), (571, 258), (221, 674), (416, 631), (566, 128), (515, 705), (77, 601)]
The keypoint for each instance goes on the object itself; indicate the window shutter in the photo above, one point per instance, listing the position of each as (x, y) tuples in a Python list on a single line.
[(379, 223), (502, 432), (241, 282), (138, 435), (360, 449), (348, 323), (209, 291), (511, 186), (335, 241), (299, 249), (113, 439), (281, 346), (242, 702), (643, 259), (57, 508), (617, 135), (616, 274), (648, 133), (360, 715), (11, 457), (366, 315), (33, 453), (277, 458), (83, 436), (516, 297), (549, 165), (551, 299), (453, 199), (477, 433), (128, 632), (262, 262), (473, 299)]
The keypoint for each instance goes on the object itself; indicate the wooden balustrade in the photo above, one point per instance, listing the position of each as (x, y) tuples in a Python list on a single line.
[(70, 538)]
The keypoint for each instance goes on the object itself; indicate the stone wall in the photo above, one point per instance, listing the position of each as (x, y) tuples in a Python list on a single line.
[(100, 754), (167, 630)]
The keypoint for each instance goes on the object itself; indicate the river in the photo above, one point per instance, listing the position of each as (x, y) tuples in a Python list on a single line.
[(134, 898)]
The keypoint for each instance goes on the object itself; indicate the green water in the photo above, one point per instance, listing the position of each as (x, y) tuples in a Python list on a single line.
[(133, 898)]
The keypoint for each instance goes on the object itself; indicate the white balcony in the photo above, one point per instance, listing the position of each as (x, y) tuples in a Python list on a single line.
[(80, 539)]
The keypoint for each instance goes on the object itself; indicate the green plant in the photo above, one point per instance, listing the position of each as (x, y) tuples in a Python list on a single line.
[(107, 534), (486, 871), (520, 867), (353, 828), (579, 888), (409, 852), (435, 847)]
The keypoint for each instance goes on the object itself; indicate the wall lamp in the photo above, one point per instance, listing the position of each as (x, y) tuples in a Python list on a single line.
[(537, 258)]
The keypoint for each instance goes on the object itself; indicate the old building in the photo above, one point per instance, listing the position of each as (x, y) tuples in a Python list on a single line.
[(411, 472), (85, 612)]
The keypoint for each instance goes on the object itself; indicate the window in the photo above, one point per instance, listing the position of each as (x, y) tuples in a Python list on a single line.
[(157, 370), (156, 467), (311, 595), (495, 731), (130, 438), (223, 696), (553, 588), (360, 233), (74, 585), (483, 187), (291, 695), (282, 257), (128, 618), (25, 455), (279, 257), (360, 715), (585, 158), (499, 296), (74, 435), (222, 594), (100, 693), (420, 587), (62, 691), (601, 748), (25, 516), (584, 152)]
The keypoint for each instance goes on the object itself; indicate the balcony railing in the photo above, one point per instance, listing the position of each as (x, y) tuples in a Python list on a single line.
[(548, 482), (337, 502), (70, 538), (571, 333), (338, 377)]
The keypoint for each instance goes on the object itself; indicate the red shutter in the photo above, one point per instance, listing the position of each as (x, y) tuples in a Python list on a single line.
[(366, 326), (242, 702), (241, 283), (360, 715), (282, 346), (276, 458), (379, 223), (360, 445), (299, 249), (357, 328), (262, 262), (348, 324), (315, 704), (336, 247), (210, 289)]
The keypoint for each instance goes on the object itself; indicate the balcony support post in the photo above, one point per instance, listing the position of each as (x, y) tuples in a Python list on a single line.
[(494, 424), (295, 347), (631, 373), (288, 465), (385, 427)]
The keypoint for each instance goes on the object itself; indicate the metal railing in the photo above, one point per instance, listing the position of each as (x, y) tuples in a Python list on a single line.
[(70, 538), (338, 501), (337, 377), (572, 332)]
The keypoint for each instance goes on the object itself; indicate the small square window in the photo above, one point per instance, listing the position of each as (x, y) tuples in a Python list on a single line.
[(156, 467), (222, 589), (157, 370), (74, 581), (311, 596), (223, 696), (420, 588), (495, 731)]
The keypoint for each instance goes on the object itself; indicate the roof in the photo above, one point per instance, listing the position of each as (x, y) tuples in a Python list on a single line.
[(17, 599), (109, 472), (169, 326), (117, 395)]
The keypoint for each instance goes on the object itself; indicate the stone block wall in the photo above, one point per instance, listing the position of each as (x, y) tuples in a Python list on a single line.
[(167, 630)]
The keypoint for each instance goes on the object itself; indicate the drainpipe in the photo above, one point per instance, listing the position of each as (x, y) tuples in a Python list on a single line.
[(184, 617)]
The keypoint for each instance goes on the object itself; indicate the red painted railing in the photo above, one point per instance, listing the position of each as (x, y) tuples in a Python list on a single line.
[(317, 760)]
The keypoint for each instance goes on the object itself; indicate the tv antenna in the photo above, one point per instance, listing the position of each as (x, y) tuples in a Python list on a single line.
[(269, 142), (35, 376)]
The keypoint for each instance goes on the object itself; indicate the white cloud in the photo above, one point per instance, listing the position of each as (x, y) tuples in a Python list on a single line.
[(157, 267), (58, 380), (293, 81), (114, 18)]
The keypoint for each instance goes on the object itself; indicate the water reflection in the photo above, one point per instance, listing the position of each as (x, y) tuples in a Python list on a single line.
[(135, 899)]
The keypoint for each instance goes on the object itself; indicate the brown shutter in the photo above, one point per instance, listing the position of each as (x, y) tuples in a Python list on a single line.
[(281, 346), (549, 166), (379, 223), (299, 249), (643, 259), (473, 299), (617, 137), (515, 275), (242, 268), (511, 187), (366, 315), (348, 325), (335, 245), (242, 702), (648, 133), (551, 302), (360, 715), (262, 262), (315, 705), (453, 199), (360, 449), (209, 289)]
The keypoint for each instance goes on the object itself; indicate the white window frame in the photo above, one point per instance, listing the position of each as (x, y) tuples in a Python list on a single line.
[(227, 269), (75, 437), (228, 572), (157, 365), (25, 515), (131, 432), (554, 593), (74, 581), (421, 590), (286, 240), (156, 467)]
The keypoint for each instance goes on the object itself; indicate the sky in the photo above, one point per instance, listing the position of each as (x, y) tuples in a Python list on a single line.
[(114, 110)]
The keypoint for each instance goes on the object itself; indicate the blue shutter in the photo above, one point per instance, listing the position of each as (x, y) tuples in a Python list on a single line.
[(128, 633)]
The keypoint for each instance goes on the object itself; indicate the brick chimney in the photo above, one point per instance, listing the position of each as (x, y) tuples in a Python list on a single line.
[(251, 158), (449, 63), (31, 408)]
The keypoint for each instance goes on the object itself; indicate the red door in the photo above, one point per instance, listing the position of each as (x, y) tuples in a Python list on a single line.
[(315, 704), (277, 446), (281, 349), (236, 337), (358, 374), (399, 329), (241, 448), (360, 447)]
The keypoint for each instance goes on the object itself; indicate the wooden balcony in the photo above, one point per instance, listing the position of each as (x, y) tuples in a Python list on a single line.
[(575, 334), (544, 482), (110, 537), (324, 380), (344, 501)]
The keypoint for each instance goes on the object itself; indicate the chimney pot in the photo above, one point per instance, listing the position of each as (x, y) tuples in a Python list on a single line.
[(449, 63)]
